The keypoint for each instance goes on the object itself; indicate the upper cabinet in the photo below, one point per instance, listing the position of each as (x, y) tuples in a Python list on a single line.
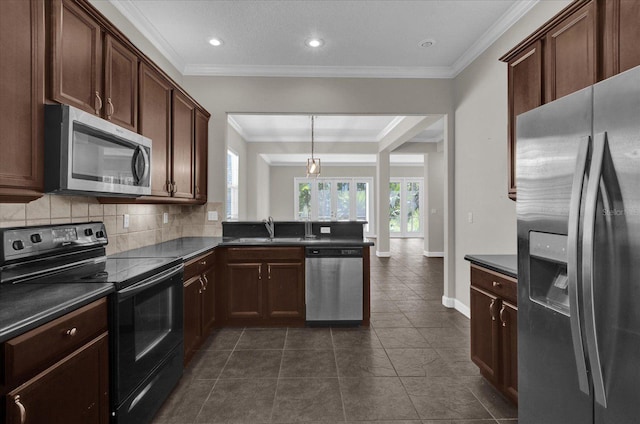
[(182, 174), (586, 42), (22, 47), (202, 141), (92, 70)]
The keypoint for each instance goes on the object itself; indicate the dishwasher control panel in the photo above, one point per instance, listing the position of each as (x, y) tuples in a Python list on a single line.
[(333, 252)]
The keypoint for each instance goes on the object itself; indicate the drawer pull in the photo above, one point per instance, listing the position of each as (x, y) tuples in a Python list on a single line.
[(496, 284), (72, 332), (23, 412), (203, 263)]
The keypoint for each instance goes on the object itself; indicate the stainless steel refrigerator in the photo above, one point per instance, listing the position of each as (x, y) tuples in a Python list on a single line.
[(578, 179)]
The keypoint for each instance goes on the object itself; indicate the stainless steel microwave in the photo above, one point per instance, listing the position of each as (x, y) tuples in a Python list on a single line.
[(85, 154)]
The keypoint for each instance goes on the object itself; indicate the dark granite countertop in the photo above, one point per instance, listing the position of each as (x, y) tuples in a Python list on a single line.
[(26, 306), (190, 247), (505, 264), (185, 248)]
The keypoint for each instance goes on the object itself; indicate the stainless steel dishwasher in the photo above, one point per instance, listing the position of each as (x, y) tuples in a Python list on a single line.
[(333, 285)]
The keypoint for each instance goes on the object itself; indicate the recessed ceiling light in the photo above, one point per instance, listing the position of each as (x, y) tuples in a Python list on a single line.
[(215, 42), (427, 43), (314, 42)]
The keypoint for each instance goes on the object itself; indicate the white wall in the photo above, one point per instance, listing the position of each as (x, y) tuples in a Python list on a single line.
[(480, 95), (282, 177), (238, 145), (434, 200)]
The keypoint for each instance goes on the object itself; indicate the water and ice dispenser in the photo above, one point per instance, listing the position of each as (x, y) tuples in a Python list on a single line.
[(548, 271)]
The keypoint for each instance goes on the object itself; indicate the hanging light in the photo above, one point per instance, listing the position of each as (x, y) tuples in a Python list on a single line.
[(313, 164)]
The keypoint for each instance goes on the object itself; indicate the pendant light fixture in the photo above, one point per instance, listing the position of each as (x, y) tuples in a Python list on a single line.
[(313, 163)]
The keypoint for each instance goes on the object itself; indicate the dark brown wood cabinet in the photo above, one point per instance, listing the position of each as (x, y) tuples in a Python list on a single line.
[(202, 142), (60, 370), (183, 147), (570, 53), (586, 42), (621, 32), (76, 57), (155, 123), (264, 286), (90, 69), (22, 44), (199, 302), (494, 328), (120, 84)]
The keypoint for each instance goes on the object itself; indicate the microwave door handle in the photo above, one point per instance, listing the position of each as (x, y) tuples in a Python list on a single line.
[(588, 245), (140, 160), (572, 261)]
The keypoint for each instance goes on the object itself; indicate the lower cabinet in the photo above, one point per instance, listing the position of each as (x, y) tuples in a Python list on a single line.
[(494, 329), (59, 372), (199, 302), (264, 286)]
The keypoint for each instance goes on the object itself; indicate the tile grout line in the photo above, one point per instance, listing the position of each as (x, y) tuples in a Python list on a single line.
[(275, 394), (335, 358)]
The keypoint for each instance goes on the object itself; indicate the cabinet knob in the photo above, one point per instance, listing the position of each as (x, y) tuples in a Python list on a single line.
[(98, 103), (72, 332), (110, 108), (497, 284), (203, 263), (23, 411)]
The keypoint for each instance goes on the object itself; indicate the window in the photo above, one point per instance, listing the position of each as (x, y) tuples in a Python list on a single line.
[(340, 199), (232, 185), (405, 207)]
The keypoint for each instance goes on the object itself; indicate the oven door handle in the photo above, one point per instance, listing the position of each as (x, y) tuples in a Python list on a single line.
[(150, 282)]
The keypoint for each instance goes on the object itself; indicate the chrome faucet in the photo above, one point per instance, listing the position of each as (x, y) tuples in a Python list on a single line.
[(270, 226)]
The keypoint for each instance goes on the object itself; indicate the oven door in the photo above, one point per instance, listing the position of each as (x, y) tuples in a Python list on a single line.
[(147, 326)]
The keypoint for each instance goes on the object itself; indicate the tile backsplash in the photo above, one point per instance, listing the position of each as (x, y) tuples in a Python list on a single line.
[(145, 221)]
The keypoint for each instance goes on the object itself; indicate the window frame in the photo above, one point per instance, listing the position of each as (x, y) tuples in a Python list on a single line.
[(234, 196)]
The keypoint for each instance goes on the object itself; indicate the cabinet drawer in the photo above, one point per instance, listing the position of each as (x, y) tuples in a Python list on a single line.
[(37, 349), (499, 284), (265, 254), (199, 265)]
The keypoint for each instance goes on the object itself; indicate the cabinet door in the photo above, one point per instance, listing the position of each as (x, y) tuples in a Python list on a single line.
[(202, 140), (525, 93), (120, 84), (244, 290), (209, 299), (22, 88), (155, 123), (485, 333), (570, 54), (76, 67), (73, 391), (509, 357), (183, 146), (285, 290), (621, 50), (192, 316)]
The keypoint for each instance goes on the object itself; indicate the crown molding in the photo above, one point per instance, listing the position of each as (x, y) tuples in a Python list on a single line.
[(234, 124), (129, 10), (386, 130), (506, 21), (319, 71)]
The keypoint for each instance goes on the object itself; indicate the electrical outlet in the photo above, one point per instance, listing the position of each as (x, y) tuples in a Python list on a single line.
[(470, 217), (212, 215), (165, 218), (125, 220), (325, 230), (434, 211)]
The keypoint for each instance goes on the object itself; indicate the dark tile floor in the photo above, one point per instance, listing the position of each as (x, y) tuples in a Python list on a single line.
[(411, 366)]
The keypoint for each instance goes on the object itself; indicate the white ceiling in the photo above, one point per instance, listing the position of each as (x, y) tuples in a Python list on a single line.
[(362, 38)]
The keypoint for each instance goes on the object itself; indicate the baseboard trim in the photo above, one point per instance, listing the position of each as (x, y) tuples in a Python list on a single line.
[(383, 254), (450, 302), (433, 254)]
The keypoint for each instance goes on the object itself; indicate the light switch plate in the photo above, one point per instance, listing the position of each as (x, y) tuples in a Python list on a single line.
[(325, 230), (125, 220), (165, 218), (212, 215)]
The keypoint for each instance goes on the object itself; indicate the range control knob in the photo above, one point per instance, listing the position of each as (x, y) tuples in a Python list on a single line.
[(88, 232), (100, 234), (36, 238), (18, 245)]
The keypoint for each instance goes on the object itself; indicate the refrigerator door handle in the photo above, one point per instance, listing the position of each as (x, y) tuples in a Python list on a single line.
[(572, 262), (590, 212)]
